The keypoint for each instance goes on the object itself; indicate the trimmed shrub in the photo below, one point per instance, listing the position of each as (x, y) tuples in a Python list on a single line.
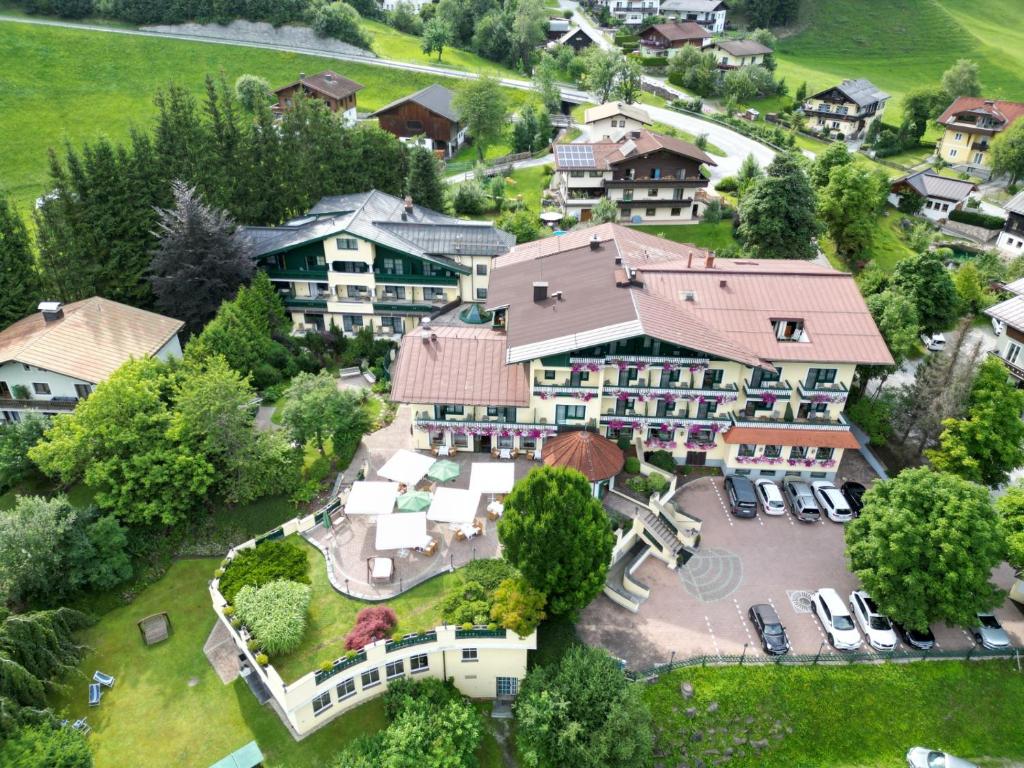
[(470, 604), (372, 624), (469, 198), (270, 561), (727, 184), (518, 606), (275, 614), (632, 465), (977, 219), (657, 484), (489, 573), (662, 460)]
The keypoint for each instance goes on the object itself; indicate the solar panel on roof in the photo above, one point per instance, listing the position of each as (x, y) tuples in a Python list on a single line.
[(575, 156)]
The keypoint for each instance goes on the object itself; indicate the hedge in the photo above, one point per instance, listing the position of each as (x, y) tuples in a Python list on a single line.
[(270, 561), (977, 219), (656, 62), (625, 37)]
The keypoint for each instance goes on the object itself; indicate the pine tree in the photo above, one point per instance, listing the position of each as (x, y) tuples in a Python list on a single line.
[(19, 281), (424, 185)]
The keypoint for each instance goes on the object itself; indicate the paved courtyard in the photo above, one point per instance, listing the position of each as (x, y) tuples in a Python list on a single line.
[(701, 608)]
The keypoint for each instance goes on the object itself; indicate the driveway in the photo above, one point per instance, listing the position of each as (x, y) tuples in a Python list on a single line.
[(701, 609), (978, 334)]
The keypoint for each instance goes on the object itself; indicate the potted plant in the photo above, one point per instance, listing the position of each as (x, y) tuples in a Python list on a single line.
[(326, 666), (262, 660)]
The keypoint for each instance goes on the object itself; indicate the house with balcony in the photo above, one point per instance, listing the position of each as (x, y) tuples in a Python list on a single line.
[(969, 125), (734, 54), (668, 39), (613, 119), (941, 194), (372, 260), (1009, 343), (632, 12), (55, 357), (1011, 238), (710, 14), (736, 363), (845, 111), (426, 118), (337, 92), (653, 179), (576, 38)]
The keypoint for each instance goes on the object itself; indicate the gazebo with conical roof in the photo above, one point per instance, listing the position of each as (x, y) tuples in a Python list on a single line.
[(597, 457)]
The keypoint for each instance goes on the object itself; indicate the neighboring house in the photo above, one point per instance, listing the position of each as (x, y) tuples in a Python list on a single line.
[(970, 123), (1011, 239), (740, 364), (1008, 346), (668, 39), (371, 260), (339, 93), (557, 27), (577, 39), (614, 118), (391, 5), (52, 359), (710, 14), (632, 12), (427, 118), (654, 179), (733, 54), (845, 111), (941, 194)]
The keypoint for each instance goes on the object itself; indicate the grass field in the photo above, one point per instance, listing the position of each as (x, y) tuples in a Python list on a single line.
[(389, 43), (863, 716), (102, 84), (704, 235)]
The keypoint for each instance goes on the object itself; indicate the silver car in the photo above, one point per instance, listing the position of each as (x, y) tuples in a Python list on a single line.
[(922, 757), (989, 633), (801, 500)]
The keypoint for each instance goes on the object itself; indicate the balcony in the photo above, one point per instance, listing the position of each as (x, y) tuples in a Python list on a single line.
[(56, 404), (670, 180), (410, 640), (1015, 370), (294, 302), (609, 418), (647, 360), (408, 306), (316, 274), (680, 390), (825, 111), (815, 421), (777, 388), (980, 146), (338, 666), (383, 277), (824, 393)]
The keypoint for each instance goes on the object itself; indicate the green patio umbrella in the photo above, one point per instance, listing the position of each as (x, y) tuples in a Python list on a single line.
[(443, 471), (413, 501)]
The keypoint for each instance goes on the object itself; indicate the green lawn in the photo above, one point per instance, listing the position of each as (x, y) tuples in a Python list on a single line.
[(711, 149), (888, 247), (704, 235), (389, 43), (466, 157), (529, 184), (861, 716)]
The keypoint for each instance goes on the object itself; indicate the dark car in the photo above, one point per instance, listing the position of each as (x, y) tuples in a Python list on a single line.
[(921, 641), (769, 629), (853, 492), (742, 498)]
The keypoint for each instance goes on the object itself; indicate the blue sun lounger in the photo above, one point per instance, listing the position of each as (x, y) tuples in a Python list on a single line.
[(94, 694), (102, 679)]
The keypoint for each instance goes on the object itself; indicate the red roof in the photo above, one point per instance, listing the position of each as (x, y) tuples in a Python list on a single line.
[(597, 457), (813, 438), (1006, 111)]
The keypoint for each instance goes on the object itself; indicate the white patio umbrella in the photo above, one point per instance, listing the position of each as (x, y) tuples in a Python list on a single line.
[(402, 531), (453, 505), (406, 467), (492, 477), (371, 497)]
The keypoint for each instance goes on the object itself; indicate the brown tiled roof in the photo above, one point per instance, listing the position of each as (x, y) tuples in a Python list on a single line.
[(814, 438), (597, 457), (679, 30), (607, 154), (93, 339), (742, 47), (1001, 110), (458, 365), (329, 83)]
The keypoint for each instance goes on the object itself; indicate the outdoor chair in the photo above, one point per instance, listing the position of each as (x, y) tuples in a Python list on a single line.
[(94, 694), (82, 725), (103, 679)]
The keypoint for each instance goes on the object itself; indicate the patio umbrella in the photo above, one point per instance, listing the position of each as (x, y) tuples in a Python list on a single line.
[(443, 471), (413, 501)]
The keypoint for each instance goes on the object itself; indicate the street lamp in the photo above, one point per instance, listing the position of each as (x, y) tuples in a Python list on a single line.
[(744, 656), (818, 654)]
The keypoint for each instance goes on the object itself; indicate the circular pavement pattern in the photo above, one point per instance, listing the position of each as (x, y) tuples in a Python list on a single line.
[(712, 574)]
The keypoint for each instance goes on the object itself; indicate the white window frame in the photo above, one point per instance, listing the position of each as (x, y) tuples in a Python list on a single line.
[(349, 686), (470, 655), (322, 703), (419, 663), (374, 675), (394, 669)]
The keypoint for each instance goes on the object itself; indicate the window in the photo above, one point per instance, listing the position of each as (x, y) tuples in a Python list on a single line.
[(958, 137), (626, 213), (392, 267), (433, 294), (742, 472), (746, 450), (419, 663), (481, 294), (41, 389), (677, 211), (824, 454), (798, 452), (322, 703), (346, 243), (470, 654), (817, 377), (565, 413), (818, 475), (26, 367), (773, 451), (346, 688), (652, 192), (549, 375), (952, 153), (83, 390), (596, 174), (481, 269), (767, 473), (1012, 352), (789, 330), (354, 292), (370, 678), (352, 323), (413, 125), (506, 686), (395, 669), (650, 212), (576, 174)]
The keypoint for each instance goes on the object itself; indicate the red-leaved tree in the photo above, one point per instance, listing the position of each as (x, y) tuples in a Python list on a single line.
[(372, 624)]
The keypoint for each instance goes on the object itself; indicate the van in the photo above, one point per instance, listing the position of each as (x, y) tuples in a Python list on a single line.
[(742, 499), (933, 342)]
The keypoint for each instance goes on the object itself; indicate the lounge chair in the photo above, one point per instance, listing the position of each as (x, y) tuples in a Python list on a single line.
[(82, 725), (94, 694), (103, 679)]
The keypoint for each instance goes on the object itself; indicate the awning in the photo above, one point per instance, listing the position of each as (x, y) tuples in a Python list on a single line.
[(369, 497), (492, 477), (401, 531), (248, 756), (453, 505), (812, 438), (406, 467), (381, 567)]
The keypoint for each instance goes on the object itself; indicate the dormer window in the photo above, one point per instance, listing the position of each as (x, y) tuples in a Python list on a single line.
[(789, 330)]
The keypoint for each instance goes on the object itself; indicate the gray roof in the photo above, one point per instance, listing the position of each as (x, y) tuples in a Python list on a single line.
[(743, 47), (931, 184), (1015, 204), (1017, 287), (383, 219), (436, 98), (1010, 312), (694, 6), (861, 92)]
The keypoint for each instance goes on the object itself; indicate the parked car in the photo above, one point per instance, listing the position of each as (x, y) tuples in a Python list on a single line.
[(842, 633), (853, 492), (801, 500), (922, 757), (773, 635), (876, 627), (989, 633), (832, 501), (742, 499), (933, 342), (921, 641), (998, 326), (770, 497)]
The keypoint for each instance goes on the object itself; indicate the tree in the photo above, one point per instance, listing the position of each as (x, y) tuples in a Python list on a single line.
[(605, 210), (749, 172), (30, 552), (922, 105), (961, 79), (583, 713), (524, 130), (372, 624), (340, 21), (849, 206), (522, 223), (835, 155), (557, 535), (910, 202), (20, 287), (924, 547), (316, 409), (96, 553), (970, 289), (481, 105), (199, 260), (424, 185), (1010, 508), (275, 613), (545, 82), (405, 19), (777, 214), (46, 746), (436, 35), (15, 440), (696, 71), (469, 198), (628, 86), (801, 93), (527, 31), (600, 71), (1008, 152), (518, 606), (988, 443), (253, 92), (896, 317), (926, 280)]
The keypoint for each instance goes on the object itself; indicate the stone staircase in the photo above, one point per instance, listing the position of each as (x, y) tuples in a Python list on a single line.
[(660, 531)]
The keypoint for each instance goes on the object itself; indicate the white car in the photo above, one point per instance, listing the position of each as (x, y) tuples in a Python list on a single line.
[(835, 618), (832, 501), (998, 326), (769, 497), (922, 757), (876, 627), (933, 342)]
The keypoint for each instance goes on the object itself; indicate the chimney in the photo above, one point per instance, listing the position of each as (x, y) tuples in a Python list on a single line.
[(709, 262), (689, 260), (52, 310), (557, 296), (595, 243), (328, 77), (433, 338), (722, 283), (540, 291), (425, 323), (408, 204), (302, 75)]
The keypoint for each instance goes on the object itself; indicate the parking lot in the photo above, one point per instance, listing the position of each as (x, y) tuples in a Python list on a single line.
[(701, 608)]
